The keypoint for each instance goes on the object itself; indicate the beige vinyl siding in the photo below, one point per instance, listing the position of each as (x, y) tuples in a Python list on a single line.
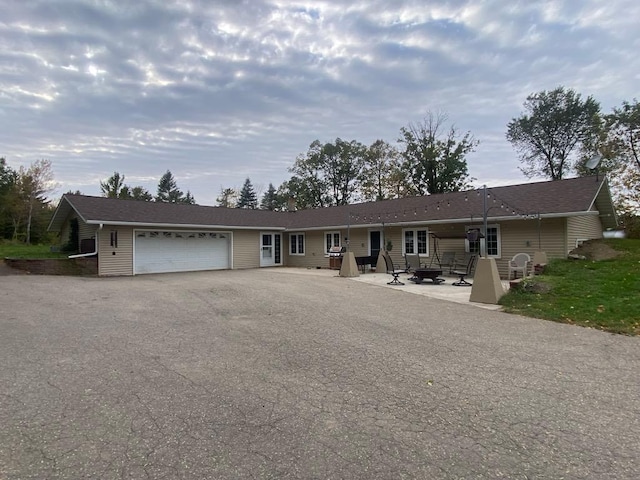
[(584, 227), (246, 249), (521, 236), (84, 230), (115, 260), (395, 235), (450, 238), (314, 254)]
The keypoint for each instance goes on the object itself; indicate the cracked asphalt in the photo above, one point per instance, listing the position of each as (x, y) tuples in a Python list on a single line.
[(265, 375)]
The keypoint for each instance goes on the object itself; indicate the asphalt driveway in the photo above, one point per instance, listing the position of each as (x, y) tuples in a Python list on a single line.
[(263, 374)]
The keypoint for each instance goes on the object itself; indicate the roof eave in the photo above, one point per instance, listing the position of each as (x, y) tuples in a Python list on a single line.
[(184, 225), (59, 218)]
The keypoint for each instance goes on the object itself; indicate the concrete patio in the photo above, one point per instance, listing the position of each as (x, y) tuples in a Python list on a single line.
[(444, 291)]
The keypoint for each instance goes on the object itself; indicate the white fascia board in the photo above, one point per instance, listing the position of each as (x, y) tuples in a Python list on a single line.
[(58, 209), (182, 225)]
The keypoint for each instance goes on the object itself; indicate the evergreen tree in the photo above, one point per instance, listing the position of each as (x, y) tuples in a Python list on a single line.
[(269, 199), (169, 192), (248, 197), (188, 199), (113, 186)]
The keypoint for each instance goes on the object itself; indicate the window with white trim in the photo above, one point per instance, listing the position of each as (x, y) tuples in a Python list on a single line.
[(415, 241), (296, 244), (492, 241), (331, 239)]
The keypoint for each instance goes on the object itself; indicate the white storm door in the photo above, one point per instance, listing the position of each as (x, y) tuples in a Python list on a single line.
[(270, 249)]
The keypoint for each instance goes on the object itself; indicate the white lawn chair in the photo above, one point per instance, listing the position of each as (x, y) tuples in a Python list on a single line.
[(519, 263)]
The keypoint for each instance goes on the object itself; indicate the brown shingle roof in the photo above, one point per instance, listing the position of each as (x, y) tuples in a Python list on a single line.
[(545, 198), (116, 211)]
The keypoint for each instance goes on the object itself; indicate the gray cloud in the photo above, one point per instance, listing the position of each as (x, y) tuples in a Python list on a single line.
[(224, 90)]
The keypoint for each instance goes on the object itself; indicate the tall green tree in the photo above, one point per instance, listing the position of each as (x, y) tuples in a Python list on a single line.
[(248, 198), (140, 193), (622, 147), (342, 163), (434, 155), (623, 133), (379, 172), (270, 199), (29, 197), (558, 125), (114, 187), (308, 184), (34, 183), (168, 191), (189, 199), (8, 178), (328, 174)]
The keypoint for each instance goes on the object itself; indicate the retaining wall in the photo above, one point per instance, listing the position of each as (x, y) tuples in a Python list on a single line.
[(56, 266)]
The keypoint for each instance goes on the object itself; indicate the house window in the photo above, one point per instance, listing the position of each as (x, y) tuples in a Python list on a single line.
[(416, 241), (331, 239), (492, 241), (113, 240), (296, 244)]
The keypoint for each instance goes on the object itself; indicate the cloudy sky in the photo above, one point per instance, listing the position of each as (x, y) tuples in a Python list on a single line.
[(220, 90)]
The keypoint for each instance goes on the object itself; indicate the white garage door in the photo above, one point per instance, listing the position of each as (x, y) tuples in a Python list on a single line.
[(166, 251)]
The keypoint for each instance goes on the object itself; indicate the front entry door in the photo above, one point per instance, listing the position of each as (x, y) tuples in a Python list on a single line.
[(375, 242), (270, 249)]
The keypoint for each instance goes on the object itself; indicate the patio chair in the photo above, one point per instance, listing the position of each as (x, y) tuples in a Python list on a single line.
[(412, 261), (393, 270), (519, 263), (471, 263), (447, 261)]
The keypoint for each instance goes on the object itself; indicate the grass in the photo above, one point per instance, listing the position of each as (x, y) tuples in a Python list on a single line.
[(601, 294), (20, 250)]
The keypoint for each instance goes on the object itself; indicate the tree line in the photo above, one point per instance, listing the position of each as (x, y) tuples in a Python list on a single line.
[(167, 192), (559, 133), (24, 209), (431, 159)]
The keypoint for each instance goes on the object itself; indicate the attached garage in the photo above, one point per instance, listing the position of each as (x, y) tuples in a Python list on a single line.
[(162, 251)]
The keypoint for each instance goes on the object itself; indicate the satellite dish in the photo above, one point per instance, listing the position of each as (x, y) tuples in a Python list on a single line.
[(594, 161)]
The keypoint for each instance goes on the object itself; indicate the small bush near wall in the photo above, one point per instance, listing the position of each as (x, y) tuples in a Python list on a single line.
[(56, 266)]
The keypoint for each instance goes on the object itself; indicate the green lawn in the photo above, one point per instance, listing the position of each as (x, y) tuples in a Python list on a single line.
[(20, 250), (601, 294)]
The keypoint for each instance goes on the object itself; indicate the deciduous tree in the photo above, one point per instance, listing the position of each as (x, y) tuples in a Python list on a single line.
[(227, 198), (378, 177), (327, 174), (434, 155), (32, 186), (557, 126)]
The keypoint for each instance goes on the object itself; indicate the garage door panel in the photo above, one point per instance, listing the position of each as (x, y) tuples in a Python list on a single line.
[(163, 251)]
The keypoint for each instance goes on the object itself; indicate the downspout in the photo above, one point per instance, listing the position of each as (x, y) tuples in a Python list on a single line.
[(82, 255)]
